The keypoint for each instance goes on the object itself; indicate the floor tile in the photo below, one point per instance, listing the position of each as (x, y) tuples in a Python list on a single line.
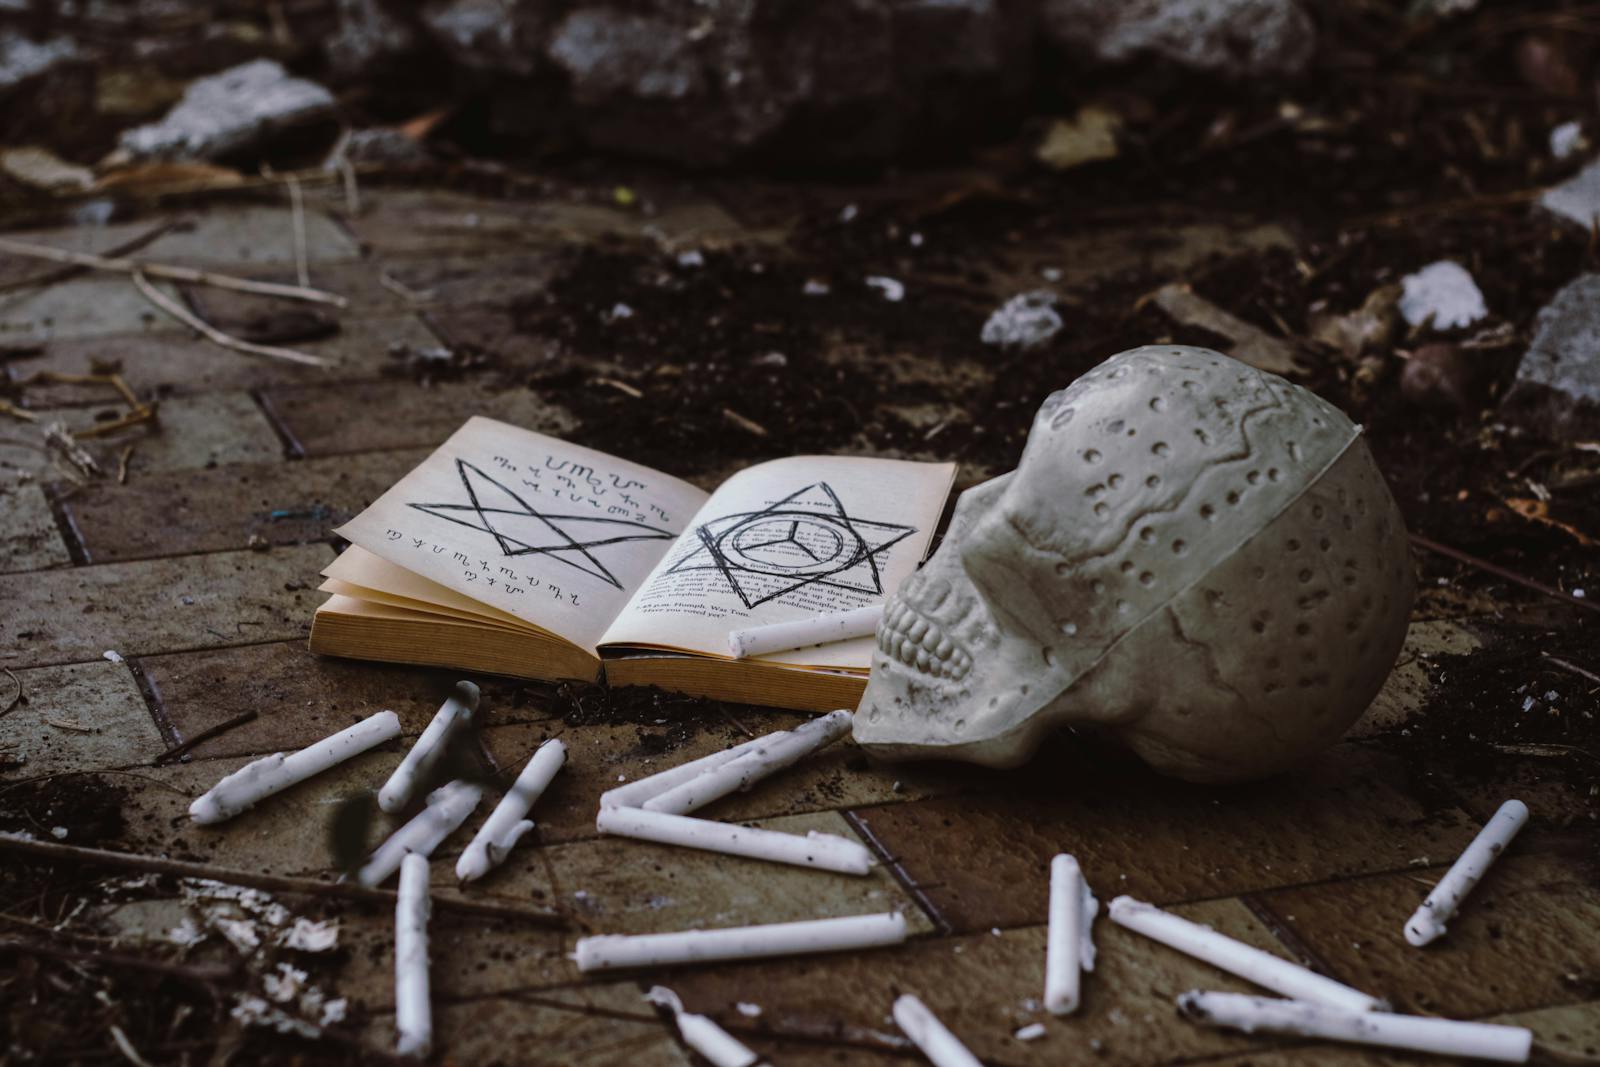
[(29, 539), (1349, 812), (76, 717), (226, 598)]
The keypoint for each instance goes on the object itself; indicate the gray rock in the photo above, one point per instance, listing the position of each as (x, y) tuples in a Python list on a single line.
[(1578, 198), (1025, 321), (22, 59), (490, 36), (369, 35), (1234, 38), (231, 111), (1557, 389)]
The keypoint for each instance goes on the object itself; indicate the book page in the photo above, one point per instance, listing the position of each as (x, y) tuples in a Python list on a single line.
[(555, 534), (789, 540)]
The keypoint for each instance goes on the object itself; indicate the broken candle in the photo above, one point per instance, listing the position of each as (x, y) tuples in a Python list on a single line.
[(828, 852), (702, 1034), (757, 763), (1428, 922), (448, 807), (1236, 957), (455, 713), (254, 782), (803, 633), (1069, 945), (1508, 1044), (942, 1048), (637, 792), (413, 1015), (506, 825), (616, 951)]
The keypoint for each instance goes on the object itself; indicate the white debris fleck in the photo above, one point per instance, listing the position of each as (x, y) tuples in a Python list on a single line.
[(186, 933), (1443, 292), (334, 1011), (816, 287), (59, 832), (1031, 1032), (113, 655), (242, 933), (748, 1010), (1027, 320), (849, 213), (1567, 140), (892, 290), (1578, 593), (1050, 274), (255, 1011), (916, 240), (691, 258), (284, 985), (308, 935), (619, 311)]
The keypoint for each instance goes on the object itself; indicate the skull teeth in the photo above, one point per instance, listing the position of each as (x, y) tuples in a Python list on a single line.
[(917, 643)]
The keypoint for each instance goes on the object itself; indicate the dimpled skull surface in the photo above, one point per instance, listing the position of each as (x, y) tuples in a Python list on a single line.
[(1194, 556)]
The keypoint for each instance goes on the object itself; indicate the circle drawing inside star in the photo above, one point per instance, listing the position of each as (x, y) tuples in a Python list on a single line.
[(791, 543)]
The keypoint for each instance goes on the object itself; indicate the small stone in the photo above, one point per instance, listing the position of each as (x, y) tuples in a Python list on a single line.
[(1444, 293), (749, 1011), (1567, 140), (21, 58), (1556, 392), (816, 287), (59, 833), (691, 258), (1031, 1032), (1089, 136), (1235, 38), (1025, 321), (230, 111)]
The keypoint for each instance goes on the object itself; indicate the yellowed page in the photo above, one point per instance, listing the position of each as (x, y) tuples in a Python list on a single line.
[(788, 540), (554, 534), (355, 566), (378, 596)]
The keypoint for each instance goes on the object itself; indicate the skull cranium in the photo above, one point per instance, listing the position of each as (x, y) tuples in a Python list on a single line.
[(1197, 557)]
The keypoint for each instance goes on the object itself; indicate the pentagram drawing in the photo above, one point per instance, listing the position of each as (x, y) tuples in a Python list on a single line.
[(807, 538), (521, 529)]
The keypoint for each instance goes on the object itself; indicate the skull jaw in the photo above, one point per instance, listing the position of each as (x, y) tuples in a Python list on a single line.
[(907, 715)]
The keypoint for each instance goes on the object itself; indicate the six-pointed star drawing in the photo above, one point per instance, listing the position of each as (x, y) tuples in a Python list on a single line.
[(807, 538), (523, 530)]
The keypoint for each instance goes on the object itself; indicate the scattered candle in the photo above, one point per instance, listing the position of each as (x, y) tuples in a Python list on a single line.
[(702, 1033), (1508, 1044), (1235, 957), (453, 714), (1069, 945), (828, 852), (506, 825), (1428, 922), (413, 1015), (637, 792), (615, 951), (942, 1048), (803, 633), (752, 766), (448, 807), (254, 782)]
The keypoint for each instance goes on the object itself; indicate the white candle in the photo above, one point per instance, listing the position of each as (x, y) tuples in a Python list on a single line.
[(413, 1016), (1508, 1044), (614, 951), (1069, 945), (453, 714), (254, 782), (637, 792), (448, 807), (1235, 957), (942, 1048), (803, 633), (702, 1033), (505, 825), (1428, 923), (751, 767), (828, 852)]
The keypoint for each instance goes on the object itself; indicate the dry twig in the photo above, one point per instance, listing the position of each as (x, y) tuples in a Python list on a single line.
[(748, 425), (1500, 572), (171, 273), (297, 204), (216, 336), (122, 463), (52, 277), (16, 699), (204, 735), (50, 850), (57, 436), (1568, 665)]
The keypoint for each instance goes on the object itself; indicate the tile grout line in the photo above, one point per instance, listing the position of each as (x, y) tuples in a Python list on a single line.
[(941, 925), (292, 448), (1286, 935), (77, 550)]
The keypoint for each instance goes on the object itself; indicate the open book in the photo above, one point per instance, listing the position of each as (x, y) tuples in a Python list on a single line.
[(514, 553)]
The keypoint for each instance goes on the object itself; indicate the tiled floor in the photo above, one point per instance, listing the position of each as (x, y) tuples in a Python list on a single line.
[(200, 573)]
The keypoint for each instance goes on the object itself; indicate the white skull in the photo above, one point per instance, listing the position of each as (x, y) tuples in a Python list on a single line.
[(1194, 556)]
